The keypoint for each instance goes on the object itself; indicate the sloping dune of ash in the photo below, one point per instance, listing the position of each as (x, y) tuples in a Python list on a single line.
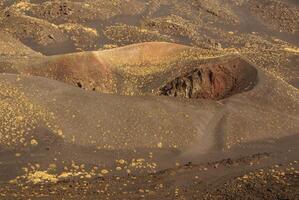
[(149, 99)]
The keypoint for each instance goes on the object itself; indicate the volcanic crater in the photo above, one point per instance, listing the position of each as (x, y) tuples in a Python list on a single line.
[(213, 81)]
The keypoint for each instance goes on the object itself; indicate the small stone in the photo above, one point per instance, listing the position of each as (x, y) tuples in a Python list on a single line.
[(118, 168), (33, 142), (17, 154), (160, 145), (245, 177), (104, 171), (59, 132), (87, 176), (121, 161)]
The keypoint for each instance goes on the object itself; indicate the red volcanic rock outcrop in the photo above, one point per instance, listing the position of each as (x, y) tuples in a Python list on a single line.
[(213, 80)]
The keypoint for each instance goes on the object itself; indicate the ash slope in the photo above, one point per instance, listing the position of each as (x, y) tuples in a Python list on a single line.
[(56, 132)]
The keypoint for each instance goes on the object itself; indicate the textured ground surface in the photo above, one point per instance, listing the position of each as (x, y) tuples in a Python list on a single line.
[(153, 99)]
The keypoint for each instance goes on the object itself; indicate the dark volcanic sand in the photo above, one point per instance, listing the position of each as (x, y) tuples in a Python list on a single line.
[(179, 99)]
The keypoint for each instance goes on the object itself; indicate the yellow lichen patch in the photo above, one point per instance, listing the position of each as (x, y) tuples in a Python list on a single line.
[(19, 117), (174, 25), (292, 50), (33, 174), (110, 46), (41, 176), (73, 27), (65, 175), (23, 6), (141, 163), (123, 34), (83, 37)]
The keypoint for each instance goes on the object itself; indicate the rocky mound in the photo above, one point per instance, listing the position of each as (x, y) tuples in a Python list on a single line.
[(145, 68)]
